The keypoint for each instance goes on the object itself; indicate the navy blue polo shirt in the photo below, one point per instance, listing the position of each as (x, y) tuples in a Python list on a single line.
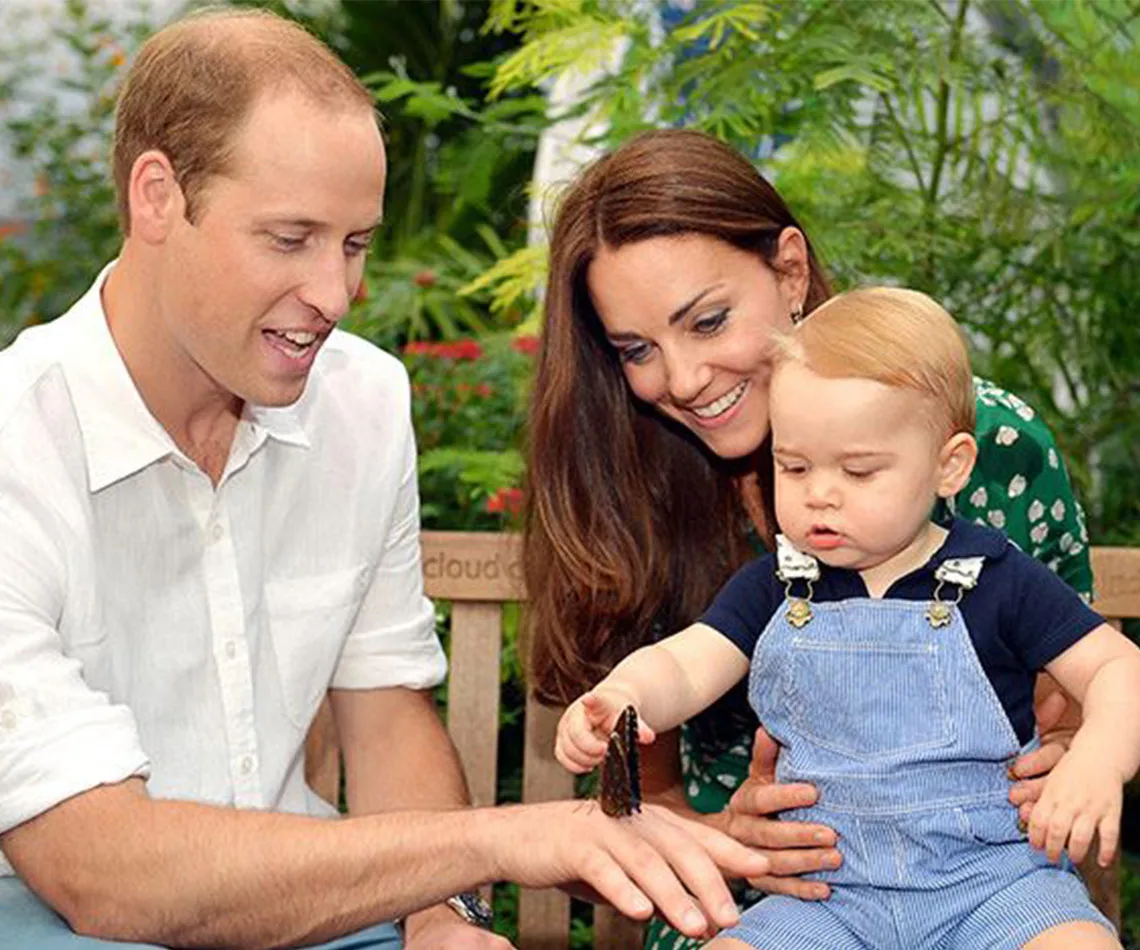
[(1020, 616)]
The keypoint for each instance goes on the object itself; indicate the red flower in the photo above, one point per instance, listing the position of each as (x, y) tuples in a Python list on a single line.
[(506, 501), (467, 350), (484, 390), (527, 345), (425, 279), (459, 350)]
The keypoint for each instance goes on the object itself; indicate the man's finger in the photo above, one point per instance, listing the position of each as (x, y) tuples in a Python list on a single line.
[(728, 854), (689, 859), (654, 873)]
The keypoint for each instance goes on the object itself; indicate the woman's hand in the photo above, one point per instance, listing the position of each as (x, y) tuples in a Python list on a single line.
[(793, 848), (1057, 721)]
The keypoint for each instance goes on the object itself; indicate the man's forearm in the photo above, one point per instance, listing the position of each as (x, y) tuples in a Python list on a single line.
[(189, 875)]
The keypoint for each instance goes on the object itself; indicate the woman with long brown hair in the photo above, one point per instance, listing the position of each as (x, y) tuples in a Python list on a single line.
[(672, 260)]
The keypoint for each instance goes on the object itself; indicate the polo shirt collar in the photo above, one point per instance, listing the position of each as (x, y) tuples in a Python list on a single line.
[(967, 539)]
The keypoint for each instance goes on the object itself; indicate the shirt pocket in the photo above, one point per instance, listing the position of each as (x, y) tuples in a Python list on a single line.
[(868, 699), (309, 619)]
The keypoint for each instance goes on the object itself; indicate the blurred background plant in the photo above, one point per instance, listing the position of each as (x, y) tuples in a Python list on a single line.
[(62, 132)]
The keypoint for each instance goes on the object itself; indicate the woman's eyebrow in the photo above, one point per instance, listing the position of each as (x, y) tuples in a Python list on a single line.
[(680, 313)]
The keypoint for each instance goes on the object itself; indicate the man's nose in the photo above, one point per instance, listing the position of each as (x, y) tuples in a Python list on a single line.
[(328, 289)]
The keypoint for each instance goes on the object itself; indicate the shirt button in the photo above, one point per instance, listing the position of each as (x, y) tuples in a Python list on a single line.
[(217, 531), (247, 765), (231, 649)]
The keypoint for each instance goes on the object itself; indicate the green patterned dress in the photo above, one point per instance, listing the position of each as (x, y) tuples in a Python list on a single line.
[(1019, 486)]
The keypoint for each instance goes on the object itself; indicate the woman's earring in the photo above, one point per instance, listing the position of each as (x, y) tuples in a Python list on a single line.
[(798, 314)]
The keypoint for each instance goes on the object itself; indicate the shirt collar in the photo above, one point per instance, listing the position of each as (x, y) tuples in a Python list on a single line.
[(280, 423), (966, 539), (120, 435)]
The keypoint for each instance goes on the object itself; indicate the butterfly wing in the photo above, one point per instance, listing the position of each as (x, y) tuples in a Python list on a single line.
[(620, 794)]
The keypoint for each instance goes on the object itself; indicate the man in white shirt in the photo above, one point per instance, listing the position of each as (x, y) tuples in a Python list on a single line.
[(209, 517)]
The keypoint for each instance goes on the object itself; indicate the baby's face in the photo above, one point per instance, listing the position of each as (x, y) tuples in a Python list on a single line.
[(857, 466)]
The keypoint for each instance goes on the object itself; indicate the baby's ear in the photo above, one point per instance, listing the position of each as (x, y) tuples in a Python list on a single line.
[(955, 463)]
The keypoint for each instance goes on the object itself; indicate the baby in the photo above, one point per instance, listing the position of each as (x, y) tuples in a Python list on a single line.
[(894, 659)]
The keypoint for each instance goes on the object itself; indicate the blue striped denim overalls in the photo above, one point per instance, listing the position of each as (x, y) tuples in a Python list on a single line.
[(893, 720)]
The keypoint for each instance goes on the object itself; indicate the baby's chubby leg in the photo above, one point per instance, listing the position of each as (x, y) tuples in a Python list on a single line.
[(1078, 935), (728, 943)]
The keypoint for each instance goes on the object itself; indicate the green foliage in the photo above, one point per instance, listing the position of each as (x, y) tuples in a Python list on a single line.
[(64, 134)]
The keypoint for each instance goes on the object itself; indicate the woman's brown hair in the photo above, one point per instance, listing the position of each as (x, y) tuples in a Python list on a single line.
[(631, 524)]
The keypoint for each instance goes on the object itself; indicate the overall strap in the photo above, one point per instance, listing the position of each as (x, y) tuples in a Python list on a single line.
[(792, 565), (963, 573)]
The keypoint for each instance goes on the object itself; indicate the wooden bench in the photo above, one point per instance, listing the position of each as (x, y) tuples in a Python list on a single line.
[(479, 573)]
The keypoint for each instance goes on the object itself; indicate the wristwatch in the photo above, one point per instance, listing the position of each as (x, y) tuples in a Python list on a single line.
[(469, 905)]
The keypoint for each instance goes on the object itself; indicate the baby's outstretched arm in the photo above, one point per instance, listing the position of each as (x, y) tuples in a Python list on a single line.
[(1083, 794), (667, 683)]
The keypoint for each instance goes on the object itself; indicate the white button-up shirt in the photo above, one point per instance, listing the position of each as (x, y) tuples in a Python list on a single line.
[(154, 625)]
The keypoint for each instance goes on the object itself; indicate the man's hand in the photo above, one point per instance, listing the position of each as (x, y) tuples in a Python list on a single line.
[(652, 858), (440, 928), (794, 848)]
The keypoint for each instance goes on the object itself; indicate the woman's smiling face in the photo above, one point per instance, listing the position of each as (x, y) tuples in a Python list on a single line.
[(691, 318)]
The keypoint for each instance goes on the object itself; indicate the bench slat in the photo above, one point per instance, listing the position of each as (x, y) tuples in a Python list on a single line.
[(544, 916), (473, 694), (612, 931), (1116, 573)]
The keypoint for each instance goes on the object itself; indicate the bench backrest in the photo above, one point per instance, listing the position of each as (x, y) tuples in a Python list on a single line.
[(479, 573)]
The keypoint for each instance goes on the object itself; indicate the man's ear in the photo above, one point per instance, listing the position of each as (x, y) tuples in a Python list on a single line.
[(156, 199), (955, 463)]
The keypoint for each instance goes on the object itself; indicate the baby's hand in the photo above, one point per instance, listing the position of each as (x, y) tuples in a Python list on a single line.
[(1082, 796), (584, 729)]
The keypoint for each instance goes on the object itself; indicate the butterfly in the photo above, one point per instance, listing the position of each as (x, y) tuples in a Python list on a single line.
[(620, 794)]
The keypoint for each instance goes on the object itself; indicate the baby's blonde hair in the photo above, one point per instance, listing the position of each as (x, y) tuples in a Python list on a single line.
[(897, 337)]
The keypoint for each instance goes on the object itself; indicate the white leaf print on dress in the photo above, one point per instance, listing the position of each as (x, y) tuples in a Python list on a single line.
[(1006, 435), (979, 498), (1036, 510), (1058, 510), (1039, 533), (996, 518), (1017, 485)]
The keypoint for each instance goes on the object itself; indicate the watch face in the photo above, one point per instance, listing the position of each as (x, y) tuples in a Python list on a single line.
[(472, 908)]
